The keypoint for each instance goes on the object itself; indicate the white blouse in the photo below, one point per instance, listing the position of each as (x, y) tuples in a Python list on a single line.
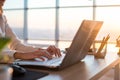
[(15, 44)]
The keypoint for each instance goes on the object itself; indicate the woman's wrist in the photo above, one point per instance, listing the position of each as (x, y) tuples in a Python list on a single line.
[(17, 55)]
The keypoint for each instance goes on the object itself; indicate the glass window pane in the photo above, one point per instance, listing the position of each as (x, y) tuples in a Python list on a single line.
[(15, 23), (41, 24), (76, 2), (108, 2), (14, 4), (70, 20), (41, 43), (111, 18), (41, 3), (64, 44)]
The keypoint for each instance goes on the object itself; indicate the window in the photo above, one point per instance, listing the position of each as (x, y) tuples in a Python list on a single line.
[(41, 24), (14, 4), (15, 21), (41, 3), (111, 18), (56, 21), (107, 2), (67, 3), (70, 19)]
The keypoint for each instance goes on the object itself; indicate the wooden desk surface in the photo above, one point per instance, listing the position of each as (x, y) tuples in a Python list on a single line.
[(89, 69)]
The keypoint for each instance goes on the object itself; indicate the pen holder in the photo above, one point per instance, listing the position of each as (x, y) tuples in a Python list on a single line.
[(100, 52)]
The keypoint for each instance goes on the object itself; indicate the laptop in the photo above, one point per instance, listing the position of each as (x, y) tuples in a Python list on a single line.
[(78, 49)]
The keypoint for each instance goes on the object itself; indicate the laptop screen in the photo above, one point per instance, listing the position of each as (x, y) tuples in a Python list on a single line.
[(82, 41)]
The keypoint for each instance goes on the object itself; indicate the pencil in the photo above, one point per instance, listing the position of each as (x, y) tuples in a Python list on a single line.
[(104, 41)]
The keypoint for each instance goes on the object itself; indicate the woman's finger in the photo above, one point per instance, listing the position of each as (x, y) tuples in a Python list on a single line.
[(58, 52), (54, 50), (46, 54)]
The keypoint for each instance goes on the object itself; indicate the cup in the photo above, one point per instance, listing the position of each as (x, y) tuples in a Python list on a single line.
[(5, 72)]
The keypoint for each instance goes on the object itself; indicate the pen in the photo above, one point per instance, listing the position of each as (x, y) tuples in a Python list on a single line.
[(101, 45)]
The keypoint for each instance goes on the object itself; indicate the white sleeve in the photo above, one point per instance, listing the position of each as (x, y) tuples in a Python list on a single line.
[(15, 43), (8, 52)]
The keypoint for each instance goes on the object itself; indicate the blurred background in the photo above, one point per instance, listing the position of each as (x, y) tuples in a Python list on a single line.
[(55, 22)]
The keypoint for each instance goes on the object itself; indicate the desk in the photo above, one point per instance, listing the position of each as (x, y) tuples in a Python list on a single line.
[(89, 69)]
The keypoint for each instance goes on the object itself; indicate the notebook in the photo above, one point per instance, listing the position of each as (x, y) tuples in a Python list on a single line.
[(78, 49)]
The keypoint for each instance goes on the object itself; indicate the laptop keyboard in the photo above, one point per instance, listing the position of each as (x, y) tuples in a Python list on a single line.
[(38, 62), (53, 60)]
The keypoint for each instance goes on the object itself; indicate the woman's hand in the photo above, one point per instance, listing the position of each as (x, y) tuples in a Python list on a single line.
[(54, 51), (40, 53), (31, 55)]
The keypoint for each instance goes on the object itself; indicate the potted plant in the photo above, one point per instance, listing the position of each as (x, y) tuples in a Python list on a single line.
[(3, 42), (5, 70)]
